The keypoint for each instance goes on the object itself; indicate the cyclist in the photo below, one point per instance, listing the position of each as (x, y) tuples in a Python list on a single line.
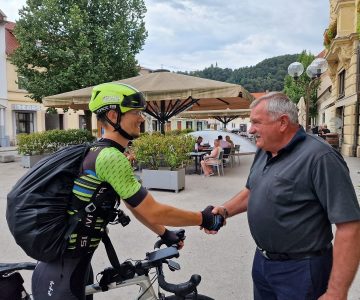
[(107, 172)]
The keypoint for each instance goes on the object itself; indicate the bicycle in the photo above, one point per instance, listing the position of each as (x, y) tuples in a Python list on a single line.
[(135, 273)]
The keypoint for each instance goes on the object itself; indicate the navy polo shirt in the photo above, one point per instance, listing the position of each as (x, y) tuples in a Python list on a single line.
[(296, 195)]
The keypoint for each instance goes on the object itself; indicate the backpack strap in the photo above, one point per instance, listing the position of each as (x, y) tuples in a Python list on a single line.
[(110, 250), (75, 218)]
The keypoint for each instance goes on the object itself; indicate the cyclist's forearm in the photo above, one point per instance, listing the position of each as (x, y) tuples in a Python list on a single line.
[(158, 229), (172, 216), (161, 214)]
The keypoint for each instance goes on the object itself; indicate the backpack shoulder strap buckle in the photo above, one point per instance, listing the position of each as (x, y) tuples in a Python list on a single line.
[(91, 207)]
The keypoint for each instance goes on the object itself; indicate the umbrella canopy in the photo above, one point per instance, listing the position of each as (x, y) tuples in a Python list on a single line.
[(168, 94)]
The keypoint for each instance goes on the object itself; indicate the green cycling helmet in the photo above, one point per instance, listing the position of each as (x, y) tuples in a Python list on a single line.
[(108, 96)]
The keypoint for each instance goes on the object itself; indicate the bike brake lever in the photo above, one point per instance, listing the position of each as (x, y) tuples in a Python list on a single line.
[(173, 266)]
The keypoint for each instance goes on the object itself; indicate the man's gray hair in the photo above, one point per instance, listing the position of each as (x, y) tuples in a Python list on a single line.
[(278, 104)]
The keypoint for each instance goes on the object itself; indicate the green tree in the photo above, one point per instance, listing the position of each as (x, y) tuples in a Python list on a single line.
[(71, 44), (296, 89)]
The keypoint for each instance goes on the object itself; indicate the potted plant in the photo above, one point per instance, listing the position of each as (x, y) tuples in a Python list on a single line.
[(163, 159), (35, 146)]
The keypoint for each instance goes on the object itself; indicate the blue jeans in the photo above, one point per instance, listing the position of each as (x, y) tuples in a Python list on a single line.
[(300, 279)]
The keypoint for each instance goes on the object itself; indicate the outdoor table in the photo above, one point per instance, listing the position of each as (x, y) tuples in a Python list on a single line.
[(198, 156), (207, 150)]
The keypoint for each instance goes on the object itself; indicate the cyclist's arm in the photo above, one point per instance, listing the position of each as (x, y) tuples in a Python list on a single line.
[(158, 229), (155, 213), (113, 167)]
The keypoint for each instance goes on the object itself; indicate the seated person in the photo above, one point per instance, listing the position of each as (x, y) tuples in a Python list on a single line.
[(323, 130), (227, 138), (198, 146), (130, 155), (209, 158), (223, 144)]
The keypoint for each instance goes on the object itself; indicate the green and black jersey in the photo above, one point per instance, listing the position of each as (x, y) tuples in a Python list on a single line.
[(105, 171)]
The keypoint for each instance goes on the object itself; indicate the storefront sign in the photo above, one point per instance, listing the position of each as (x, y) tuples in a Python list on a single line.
[(25, 107)]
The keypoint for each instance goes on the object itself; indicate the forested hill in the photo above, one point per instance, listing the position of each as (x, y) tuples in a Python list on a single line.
[(266, 75)]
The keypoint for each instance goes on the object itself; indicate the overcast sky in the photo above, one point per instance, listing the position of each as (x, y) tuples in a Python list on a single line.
[(187, 35)]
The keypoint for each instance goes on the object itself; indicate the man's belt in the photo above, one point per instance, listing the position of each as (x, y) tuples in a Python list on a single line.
[(290, 256)]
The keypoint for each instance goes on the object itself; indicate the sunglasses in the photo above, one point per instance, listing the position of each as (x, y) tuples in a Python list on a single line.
[(136, 100)]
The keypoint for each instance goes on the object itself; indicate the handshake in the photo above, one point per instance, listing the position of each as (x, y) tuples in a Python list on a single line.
[(211, 221)]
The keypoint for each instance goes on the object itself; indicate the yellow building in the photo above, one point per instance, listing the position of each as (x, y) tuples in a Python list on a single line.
[(340, 106), (19, 113)]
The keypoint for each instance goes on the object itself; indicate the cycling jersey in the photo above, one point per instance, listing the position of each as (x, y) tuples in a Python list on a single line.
[(107, 172)]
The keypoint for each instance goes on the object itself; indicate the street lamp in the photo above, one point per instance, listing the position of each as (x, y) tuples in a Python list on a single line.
[(314, 71)]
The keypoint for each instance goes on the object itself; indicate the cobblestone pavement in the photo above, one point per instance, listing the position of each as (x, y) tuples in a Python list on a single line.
[(223, 261)]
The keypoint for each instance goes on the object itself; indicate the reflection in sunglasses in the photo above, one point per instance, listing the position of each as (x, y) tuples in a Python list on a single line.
[(138, 113)]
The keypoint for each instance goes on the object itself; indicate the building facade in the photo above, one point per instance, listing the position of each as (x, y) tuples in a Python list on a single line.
[(339, 101), (19, 113)]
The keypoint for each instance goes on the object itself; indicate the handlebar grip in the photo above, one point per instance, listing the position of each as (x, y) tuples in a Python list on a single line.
[(158, 244), (180, 233), (181, 289)]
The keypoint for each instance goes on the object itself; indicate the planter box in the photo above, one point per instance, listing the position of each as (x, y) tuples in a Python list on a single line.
[(27, 161), (164, 179)]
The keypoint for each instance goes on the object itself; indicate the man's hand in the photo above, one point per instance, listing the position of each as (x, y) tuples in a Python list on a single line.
[(211, 222), (218, 210), (170, 238)]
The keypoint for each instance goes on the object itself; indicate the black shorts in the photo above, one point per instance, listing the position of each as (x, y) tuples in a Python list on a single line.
[(62, 279)]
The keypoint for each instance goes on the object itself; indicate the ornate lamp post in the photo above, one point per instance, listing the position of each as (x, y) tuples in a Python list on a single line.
[(314, 71)]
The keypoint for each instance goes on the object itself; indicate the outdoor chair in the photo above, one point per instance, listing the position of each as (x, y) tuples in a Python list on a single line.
[(235, 153), (217, 163), (226, 155)]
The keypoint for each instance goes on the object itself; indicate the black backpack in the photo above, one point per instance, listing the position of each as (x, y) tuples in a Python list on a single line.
[(37, 204)]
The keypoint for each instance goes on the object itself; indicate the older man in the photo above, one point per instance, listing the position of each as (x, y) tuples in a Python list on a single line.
[(297, 187)]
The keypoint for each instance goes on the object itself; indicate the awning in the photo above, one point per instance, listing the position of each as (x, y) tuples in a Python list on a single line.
[(168, 94)]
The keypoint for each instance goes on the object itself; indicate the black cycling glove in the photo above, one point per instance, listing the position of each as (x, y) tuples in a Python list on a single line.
[(170, 237), (211, 221)]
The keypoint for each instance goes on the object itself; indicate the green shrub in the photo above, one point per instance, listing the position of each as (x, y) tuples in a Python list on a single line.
[(330, 34), (52, 140), (33, 143), (157, 150)]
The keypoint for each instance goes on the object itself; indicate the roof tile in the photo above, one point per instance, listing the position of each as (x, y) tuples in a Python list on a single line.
[(10, 40)]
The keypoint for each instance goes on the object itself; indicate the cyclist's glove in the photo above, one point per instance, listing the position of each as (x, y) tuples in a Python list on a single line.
[(172, 237), (211, 221)]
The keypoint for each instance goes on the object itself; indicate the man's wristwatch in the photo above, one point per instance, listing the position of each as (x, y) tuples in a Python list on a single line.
[(226, 213)]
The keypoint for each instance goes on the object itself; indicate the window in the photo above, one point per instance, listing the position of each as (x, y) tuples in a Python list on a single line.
[(189, 124), (21, 82), (341, 84), (154, 125), (198, 126), (168, 126), (24, 122), (323, 118), (82, 122), (179, 125)]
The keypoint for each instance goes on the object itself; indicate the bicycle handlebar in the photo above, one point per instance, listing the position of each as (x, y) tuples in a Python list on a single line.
[(181, 289), (154, 259)]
